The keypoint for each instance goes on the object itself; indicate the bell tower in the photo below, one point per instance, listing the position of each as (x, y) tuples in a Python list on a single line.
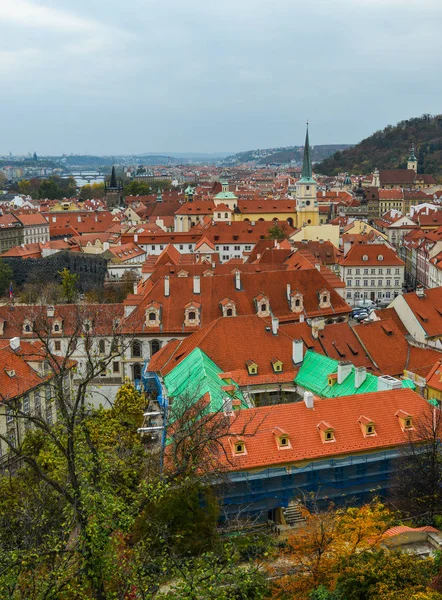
[(412, 161), (306, 201)]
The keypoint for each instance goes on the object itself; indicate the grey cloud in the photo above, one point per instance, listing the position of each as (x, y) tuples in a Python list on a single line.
[(103, 76)]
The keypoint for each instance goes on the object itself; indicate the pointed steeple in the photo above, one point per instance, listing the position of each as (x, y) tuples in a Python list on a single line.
[(306, 161), (412, 155), (113, 179)]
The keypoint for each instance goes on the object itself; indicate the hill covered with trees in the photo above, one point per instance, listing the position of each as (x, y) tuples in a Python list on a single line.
[(390, 148), (279, 156)]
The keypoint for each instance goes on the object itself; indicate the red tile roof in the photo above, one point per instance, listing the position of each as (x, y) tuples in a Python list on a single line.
[(301, 424), (354, 256), (390, 351), (272, 284), (427, 310)]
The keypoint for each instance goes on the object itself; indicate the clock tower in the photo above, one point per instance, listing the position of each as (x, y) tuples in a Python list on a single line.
[(306, 201)]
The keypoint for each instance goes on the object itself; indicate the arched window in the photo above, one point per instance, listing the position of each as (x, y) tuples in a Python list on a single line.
[(155, 346), (192, 316), (229, 312), (290, 221), (136, 349), (297, 302), (56, 327), (226, 215), (136, 370), (152, 316), (263, 307), (219, 215)]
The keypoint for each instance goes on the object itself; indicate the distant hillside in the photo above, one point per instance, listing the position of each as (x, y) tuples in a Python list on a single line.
[(283, 155), (390, 148)]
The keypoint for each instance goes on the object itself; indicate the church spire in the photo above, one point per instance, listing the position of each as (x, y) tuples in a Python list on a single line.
[(113, 179), (412, 155), (306, 161)]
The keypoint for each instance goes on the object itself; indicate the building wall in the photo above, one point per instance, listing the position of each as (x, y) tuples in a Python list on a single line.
[(356, 478), (375, 283)]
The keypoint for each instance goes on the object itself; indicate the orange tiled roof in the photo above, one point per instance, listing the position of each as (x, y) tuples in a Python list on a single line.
[(301, 424)]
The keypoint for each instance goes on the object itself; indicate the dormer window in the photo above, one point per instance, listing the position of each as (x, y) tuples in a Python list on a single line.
[(276, 365), (405, 420), (326, 431), (192, 314), (238, 446), (367, 426), (282, 438), (365, 257), (228, 307), (252, 367), (262, 306), (324, 299), (27, 327), (87, 326), (153, 314), (332, 379), (296, 302), (2, 326), (57, 326)]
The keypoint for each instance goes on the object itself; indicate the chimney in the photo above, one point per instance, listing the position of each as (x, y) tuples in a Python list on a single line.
[(50, 311), (166, 286), (105, 246), (237, 280), (14, 343), (196, 284), (135, 237), (297, 351), (360, 376), (301, 318), (135, 288), (309, 400), (275, 325), (289, 291), (420, 292), (318, 266), (213, 265), (386, 382), (344, 370)]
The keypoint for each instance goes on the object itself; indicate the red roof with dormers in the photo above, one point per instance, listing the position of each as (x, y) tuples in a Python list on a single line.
[(301, 425), (373, 252), (272, 284), (17, 376)]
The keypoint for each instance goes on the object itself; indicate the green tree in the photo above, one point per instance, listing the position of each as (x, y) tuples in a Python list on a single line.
[(69, 284), (384, 575), (6, 275)]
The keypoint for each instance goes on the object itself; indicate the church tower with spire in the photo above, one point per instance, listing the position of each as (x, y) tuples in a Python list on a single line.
[(412, 160), (306, 201)]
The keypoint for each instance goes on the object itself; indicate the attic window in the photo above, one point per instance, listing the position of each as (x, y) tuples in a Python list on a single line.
[(365, 257), (10, 373), (326, 431), (276, 365), (229, 312), (192, 316), (380, 257), (152, 316), (368, 426), (405, 420), (252, 367), (332, 379), (239, 447)]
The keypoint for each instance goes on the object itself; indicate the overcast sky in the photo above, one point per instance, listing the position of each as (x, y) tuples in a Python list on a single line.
[(132, 76)]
